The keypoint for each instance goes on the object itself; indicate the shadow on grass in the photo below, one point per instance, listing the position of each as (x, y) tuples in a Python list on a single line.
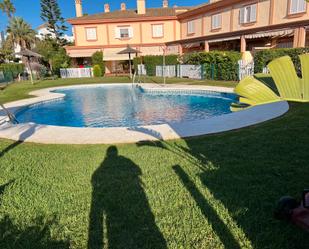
[(36, 236), (249, 170), (3, 187), (210, 214), (119, 203), (28, 132)]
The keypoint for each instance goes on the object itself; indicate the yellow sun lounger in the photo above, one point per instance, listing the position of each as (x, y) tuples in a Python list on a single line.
[(291, 88)]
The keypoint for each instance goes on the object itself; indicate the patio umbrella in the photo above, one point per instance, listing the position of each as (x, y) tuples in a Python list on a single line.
[(129, 50), (29, 54)]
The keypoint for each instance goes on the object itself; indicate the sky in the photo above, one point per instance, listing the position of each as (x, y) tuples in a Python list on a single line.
[(30, 9)]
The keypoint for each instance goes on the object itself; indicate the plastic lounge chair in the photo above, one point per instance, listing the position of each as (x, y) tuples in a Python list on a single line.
[(253, 92), (304, 59), (284, 74)]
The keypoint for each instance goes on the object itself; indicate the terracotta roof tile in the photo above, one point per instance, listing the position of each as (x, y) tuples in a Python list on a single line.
[(130, 13)]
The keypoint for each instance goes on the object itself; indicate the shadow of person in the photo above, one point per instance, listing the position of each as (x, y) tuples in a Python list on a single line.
[(28, 131), (118, 199)]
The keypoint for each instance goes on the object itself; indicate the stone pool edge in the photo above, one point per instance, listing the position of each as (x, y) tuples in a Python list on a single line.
[(47, 134)]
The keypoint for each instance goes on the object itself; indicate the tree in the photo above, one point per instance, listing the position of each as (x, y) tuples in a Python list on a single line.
[(51, 14), (97, 59), (20, 32), (47, 48), (8, 8)]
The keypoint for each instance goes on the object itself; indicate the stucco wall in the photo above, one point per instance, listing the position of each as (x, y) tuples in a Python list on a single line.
[(265, 17), (142, 33)]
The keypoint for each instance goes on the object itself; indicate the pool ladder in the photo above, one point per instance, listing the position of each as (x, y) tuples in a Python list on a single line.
[(9, 114)]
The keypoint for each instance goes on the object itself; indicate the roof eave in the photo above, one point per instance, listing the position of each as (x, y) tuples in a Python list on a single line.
[(207, 7), (76, 21)]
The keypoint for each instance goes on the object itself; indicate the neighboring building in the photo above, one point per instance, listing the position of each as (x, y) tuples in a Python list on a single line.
[(43, 31), (242, 25)]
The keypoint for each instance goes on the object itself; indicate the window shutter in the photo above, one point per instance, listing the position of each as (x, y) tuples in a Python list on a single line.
[(130, 30), (157, 30), (253, 13), (219, 21), (190, 27), (242, 15), (293, 6), (117, 33), (301, 6), (91, 33)]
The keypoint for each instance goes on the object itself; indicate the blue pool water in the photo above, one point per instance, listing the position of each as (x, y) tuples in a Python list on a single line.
[(123, 106)]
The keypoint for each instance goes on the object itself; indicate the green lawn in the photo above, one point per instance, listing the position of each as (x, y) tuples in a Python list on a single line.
[(215, 191)]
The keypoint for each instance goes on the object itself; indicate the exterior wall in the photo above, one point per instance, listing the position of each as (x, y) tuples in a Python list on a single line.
[(281, 13), (269, 12), (198, 27), (80, 35), (142, 33), (263, 14)]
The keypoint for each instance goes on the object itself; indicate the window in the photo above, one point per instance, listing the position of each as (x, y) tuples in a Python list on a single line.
[(124, 32), (157, 30), (190, 27), (91, 34), (248, 14), (297, 6), (216, 21)]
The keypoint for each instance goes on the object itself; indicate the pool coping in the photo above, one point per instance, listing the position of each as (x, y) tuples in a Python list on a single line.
[(48, 134)]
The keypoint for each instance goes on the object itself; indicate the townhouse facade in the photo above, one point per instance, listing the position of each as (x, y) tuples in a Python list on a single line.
[(241, 25)]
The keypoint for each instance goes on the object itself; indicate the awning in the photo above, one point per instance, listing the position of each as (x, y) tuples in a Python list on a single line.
[(225, 39), (192, 45), (279, 33), (76, 53), (112, 54)]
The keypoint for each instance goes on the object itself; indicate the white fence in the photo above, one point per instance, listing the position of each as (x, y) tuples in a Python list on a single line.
[(245, 69), (169, 71), (76, 73), (141, 69), (189, 71)]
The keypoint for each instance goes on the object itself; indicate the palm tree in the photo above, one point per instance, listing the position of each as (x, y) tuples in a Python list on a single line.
[(8, 8), (20, 32)]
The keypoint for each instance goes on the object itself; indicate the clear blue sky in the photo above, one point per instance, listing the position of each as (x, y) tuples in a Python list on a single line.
[(30, 9)]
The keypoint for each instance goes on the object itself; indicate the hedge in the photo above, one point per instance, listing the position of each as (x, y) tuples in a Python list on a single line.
[(97, 71), (151, 61), (12, 68), (97, 59), (262, 58), (218, 65)]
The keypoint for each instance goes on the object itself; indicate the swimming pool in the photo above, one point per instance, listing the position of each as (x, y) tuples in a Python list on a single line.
[(125, 106)]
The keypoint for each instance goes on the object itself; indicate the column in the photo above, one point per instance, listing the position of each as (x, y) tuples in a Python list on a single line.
[(206, 46), (302, 37), (243, 44), (295, 41)]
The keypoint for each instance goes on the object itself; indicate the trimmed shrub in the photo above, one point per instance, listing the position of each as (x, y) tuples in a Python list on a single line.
[(12, 68), (97, 59), (262, 58), (60, 60), (97, 72), (151, 61), (218, 65)]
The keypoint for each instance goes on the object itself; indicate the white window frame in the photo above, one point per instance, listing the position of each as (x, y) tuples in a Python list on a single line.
[(191, 27), (216, 21), (120, 36), (297, 6), (91, 33), (157, 30), (248, 14)]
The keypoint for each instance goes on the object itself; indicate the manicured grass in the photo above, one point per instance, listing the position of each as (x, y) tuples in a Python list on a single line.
[(209, 192), (17, 91)]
